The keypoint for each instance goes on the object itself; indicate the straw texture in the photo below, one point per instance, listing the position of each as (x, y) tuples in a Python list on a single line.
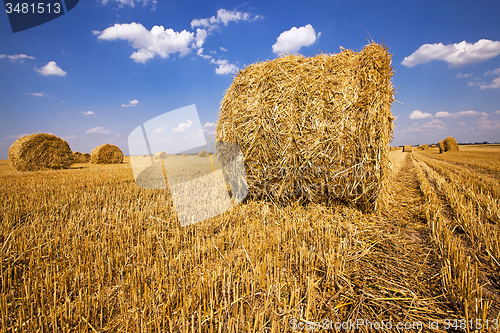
[(106, 154), (313, 129), (39, 152), (450, 144), (203, 153), (80, 158)]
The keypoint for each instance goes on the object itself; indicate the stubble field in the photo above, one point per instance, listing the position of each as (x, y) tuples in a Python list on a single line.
[(86, 250)]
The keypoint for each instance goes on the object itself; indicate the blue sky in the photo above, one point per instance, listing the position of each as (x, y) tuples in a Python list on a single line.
[(98, 72)]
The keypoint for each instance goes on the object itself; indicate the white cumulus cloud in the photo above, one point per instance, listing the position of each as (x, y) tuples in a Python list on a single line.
[(87, 113), (443, 114), (457, 54), (51, 69), (131, 103), (224, 68), (131, 3), (495, 84), (155, 42), (292, 40), (419, 115), (183, 126), (462, 75), (99, 130), (493, 72)]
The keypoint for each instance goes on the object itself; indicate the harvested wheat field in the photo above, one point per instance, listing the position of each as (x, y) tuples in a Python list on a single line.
[(86, 250)]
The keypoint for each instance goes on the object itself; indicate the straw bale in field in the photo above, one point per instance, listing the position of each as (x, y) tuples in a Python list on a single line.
[(144, 155), (424, 147), (203, 153), (106, 154), (433, 146), (407, 149), (40, 151), (450, 144), (315, 129), (79, 157), (441, 146), (184, 155), (160, 155)]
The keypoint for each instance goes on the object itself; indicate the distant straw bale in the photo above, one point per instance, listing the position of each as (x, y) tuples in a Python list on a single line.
[(144, 155), (79, 157), (39, 152), (433, 146), (106, 154), (160, 155), (184, 155), (300, 121), (424, 147), (450, 144), (407, 149), (441, 146), (203, 153)]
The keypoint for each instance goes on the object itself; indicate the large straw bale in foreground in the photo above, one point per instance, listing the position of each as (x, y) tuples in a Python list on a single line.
[(106, 154), (407, 149), (40, 151), (450, 144), (314, 129)]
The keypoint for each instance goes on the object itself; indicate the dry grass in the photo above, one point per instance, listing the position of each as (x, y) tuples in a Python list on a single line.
[(39, 152), (86, 249), (297, 119)]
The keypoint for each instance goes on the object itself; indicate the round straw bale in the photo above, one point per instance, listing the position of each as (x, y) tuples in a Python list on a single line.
[(144, 155), (314, 129), (407, 149), (433, 146), (424, 147), (450, 144), (160, 155), (441, 146), (203, 153), (184, 155), (106, 154), (40, 151), (79, 157)]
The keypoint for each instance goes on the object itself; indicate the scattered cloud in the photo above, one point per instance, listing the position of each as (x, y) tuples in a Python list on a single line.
[(487, 124), (497, 112), (205, 56), (99, 130), (224, 68), (462, 123), (87, 113), (419, 115), (131, 3), (183, 126), (16, 57), (51, 69), (224, 16), (131, 103), (462, 75), (443, 114), (155, 42), (433, 125), (40, 94), (70, 137), (15, 137), (194, 135), (458, 54), (223, 49), (209, 128), (493, 72), (495, 84), (160, 129), (292, 40), (470, 113)]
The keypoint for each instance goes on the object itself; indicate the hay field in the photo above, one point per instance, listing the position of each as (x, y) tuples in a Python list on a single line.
[(86, 250)]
